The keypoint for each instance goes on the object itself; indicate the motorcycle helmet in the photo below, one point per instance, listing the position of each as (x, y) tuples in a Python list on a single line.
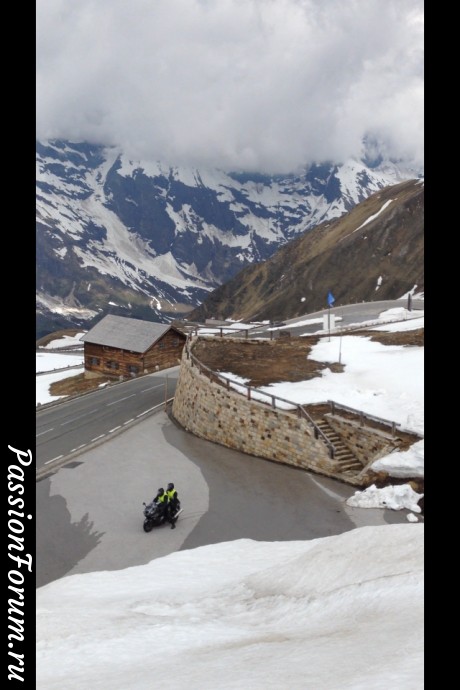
[(161, 491), (170, 486)]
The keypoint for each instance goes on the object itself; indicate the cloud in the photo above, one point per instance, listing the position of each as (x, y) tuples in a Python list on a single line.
[(239, 84)]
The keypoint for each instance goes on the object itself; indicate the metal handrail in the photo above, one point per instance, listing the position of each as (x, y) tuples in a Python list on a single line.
[(363, 415), (301, 411), (337, 330), (333, 405), (318, 432)]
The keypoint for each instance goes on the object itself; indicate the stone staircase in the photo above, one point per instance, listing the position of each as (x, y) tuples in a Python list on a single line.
[(346, 461)]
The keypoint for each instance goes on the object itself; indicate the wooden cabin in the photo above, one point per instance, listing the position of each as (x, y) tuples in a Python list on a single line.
[(122, 347)]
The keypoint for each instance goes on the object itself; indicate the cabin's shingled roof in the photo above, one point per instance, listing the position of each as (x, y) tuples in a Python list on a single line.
[(125, 333)]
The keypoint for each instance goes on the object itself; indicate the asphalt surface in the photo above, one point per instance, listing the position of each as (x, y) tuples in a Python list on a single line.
[(110, 451), (89, 512), (345, 317), (67, 426)]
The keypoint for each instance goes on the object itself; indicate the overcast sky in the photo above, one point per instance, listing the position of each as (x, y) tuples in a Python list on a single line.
[(262, 85)]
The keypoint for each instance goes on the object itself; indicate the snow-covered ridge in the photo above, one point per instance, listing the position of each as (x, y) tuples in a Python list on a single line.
[(177, 233)]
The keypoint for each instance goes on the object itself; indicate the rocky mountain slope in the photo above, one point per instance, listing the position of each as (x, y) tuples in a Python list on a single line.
[(140, 239), (374, 252)]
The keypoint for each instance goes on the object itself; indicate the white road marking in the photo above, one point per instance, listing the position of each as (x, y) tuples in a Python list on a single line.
[(43, 432), (121, 400), (56, 458), (143, 413), (114, 429), (161, 385)]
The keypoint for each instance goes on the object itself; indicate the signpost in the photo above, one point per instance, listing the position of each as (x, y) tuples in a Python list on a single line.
[(330, 302)]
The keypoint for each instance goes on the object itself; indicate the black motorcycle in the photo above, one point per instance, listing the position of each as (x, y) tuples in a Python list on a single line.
[(155, 516)]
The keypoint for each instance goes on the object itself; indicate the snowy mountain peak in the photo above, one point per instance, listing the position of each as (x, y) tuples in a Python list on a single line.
[(155, 240)]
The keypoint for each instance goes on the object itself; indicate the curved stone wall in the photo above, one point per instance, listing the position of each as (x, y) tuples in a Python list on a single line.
[(213, 412)]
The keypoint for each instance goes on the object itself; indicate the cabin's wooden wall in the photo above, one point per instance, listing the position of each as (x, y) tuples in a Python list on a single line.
[(113, 362), (167, 352)]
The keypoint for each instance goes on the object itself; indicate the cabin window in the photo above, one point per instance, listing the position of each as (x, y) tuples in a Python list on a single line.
[(176, 342), (111, 364), (94, 361), (133, 369), (161, 345)]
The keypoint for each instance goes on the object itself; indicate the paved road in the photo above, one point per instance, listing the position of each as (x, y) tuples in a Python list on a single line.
[(70, 426), (89, 513), (345, 317)]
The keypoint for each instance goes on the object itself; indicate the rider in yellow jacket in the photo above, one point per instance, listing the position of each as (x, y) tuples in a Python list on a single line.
[(173, 500)]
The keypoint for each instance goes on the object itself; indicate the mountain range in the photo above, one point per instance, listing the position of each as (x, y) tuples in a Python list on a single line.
[(146, 240), (373, 252)]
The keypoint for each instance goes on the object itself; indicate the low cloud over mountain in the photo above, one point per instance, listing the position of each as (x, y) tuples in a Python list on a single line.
[(147, 240)]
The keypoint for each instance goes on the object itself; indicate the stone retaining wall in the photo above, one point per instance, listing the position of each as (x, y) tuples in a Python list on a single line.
[(219, 414), (223, 416), (366, 444)]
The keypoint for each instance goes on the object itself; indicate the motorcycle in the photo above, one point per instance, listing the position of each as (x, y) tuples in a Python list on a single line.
[(154, 515)]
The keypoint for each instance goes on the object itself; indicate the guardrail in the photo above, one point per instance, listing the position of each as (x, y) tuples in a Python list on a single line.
[(230, 383), (60, 369), (275, 331), (64, 348), (300, 409), (234, 330), (365, 416), (272, 330), (362, 416)]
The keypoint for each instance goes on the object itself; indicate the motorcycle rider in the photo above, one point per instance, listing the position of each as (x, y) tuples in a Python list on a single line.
[(173, 501), (161, 499)]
